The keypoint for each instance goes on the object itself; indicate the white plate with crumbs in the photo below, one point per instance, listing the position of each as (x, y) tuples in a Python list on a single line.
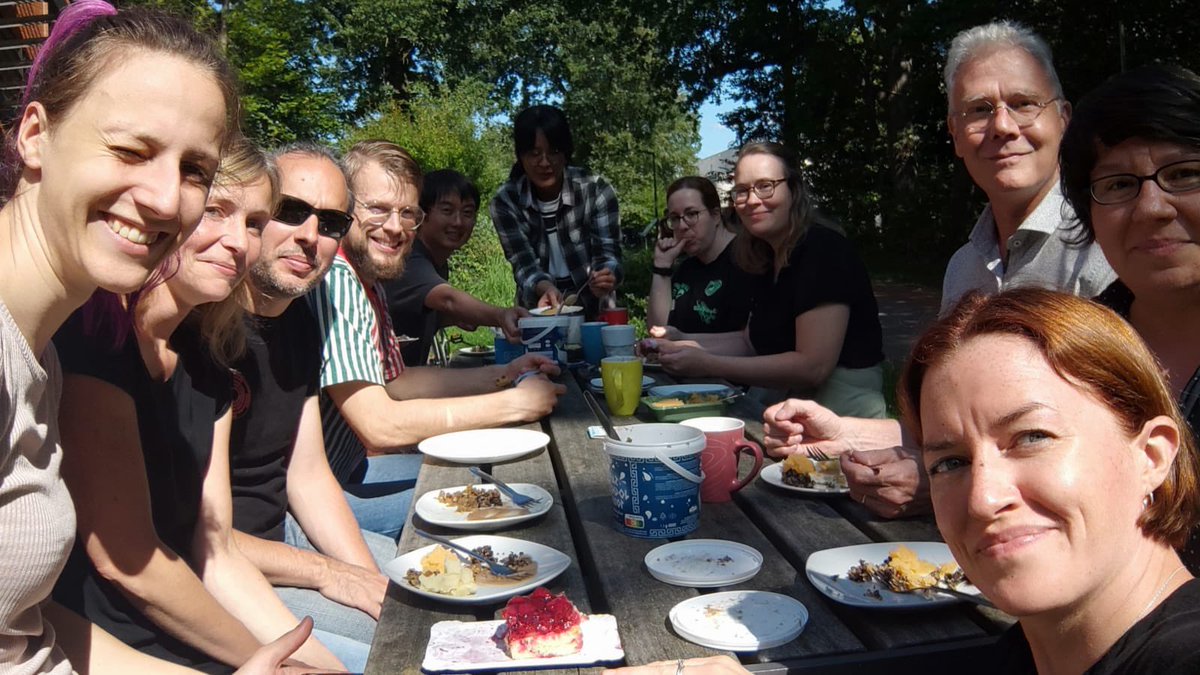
[(550, 563), (437, 512), (827, 570), (478, 646), (773, 475), (740, 621), (484, 445), (703, 563), (596, 384)]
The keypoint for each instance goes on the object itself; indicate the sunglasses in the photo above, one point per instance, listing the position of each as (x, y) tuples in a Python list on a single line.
[(330, 222)]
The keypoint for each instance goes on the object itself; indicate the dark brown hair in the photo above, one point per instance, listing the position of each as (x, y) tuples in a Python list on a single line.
[(1091, 347)]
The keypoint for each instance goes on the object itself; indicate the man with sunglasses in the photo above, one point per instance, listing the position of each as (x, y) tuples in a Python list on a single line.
[(290, 515), (375, 409), (422, 299)]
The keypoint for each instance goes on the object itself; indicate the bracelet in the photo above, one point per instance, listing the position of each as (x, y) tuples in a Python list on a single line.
[(661, 271)]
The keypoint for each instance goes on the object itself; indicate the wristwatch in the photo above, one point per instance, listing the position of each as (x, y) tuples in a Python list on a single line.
[(661, 271)]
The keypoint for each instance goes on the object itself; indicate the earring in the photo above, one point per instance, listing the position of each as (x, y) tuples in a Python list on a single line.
[(1148, 501)]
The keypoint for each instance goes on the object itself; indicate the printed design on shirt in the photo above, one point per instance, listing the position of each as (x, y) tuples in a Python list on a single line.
[(712, 287), (678, 290), (241, 393), (707, 314)]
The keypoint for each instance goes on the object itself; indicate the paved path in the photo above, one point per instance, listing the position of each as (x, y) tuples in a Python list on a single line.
[(905, 311)]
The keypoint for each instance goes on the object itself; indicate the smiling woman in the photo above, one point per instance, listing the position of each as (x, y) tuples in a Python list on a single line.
[(1062, 477)]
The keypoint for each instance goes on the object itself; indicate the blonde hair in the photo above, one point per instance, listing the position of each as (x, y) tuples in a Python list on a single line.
[(397, 163)]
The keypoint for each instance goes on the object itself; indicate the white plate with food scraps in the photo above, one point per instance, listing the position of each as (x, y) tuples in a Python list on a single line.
[(477, 351), (484, 445), (437, 512), (773, 474), (740, 621), (476, 646), (561, 310), (550, 563), (827, 570), (703, 563)]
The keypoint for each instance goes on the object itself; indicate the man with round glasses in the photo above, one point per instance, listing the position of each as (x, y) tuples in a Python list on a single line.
[(374, 408), (1007, 117)]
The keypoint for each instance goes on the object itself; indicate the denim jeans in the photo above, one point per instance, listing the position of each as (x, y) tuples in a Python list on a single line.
[(345, 631), (381, 490)]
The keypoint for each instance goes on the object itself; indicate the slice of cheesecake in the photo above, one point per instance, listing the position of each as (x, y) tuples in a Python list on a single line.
[(542, 624)]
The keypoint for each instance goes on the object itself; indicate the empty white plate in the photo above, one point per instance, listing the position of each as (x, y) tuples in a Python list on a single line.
[(740, 621), (484, 445), (703, 563), (437, 513)]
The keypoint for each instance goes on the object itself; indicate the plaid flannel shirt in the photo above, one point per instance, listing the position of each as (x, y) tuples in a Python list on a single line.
[(589, 227)]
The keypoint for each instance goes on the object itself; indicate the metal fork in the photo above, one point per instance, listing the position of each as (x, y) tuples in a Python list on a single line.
[(495, 567), (817, 454), (517, 498), (976, 599)]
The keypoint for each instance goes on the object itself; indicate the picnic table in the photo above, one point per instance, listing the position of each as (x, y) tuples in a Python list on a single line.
[(607, 574)]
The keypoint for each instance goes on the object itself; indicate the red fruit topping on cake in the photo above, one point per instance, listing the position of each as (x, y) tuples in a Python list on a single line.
[(542, 624)]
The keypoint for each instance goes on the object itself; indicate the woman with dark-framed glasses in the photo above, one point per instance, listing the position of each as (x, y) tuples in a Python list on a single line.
[(814, 324), (708, 292)]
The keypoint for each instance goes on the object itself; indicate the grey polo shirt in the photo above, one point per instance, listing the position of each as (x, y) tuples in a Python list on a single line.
[(1037, 256)]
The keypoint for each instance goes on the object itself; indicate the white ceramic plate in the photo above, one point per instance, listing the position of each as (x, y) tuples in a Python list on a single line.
[(596, 384), (484, 445), (565, 310), (472, 351), (550, 562), (405, 339), (688, 389), (827, 571), (773, 474), (703, 563), (474, 646), (437, 513), (740, 621)]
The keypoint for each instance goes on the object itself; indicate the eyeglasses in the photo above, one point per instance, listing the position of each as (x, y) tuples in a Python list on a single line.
[(330, 222), (762, 189), (1123, 187), (689, 218), (536, 155), (1024, 113), (411, 217)]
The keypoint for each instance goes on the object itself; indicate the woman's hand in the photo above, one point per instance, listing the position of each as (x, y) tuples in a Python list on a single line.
[(666, 332), (273, 658), (548, 294), (666, 251), (683, 357)]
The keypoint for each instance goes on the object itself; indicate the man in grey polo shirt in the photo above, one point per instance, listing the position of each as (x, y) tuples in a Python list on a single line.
[(1007, 116)]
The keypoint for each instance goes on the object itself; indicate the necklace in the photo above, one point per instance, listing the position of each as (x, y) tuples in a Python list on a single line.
[(1159, 592)]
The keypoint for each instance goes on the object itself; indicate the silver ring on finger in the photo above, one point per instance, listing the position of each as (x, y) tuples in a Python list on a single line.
[(679, 667)]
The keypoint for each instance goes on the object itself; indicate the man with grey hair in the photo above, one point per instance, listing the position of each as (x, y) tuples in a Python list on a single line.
[(1006, 117)]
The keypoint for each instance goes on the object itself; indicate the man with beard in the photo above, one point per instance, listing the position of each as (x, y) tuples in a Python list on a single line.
[(290, 515), (422, 299), (373, 408)]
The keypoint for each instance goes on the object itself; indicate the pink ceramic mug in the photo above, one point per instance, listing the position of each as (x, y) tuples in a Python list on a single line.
[(725, 440)]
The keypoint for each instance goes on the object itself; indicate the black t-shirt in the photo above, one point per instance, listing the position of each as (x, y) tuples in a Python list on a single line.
[(406, 303), (1119, 298), (281, 368), (712, 298), (175, 428), (1165, 642), (822, 270)]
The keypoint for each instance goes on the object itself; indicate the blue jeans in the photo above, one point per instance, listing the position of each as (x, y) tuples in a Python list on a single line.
[(345, 631), (380, 492)]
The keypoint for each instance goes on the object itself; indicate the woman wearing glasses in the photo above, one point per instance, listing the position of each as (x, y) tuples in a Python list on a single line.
[(708, 293), (560, 225), (814, 325), (146, 387)]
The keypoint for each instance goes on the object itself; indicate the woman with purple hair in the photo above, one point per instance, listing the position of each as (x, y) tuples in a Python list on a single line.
[(106, 170)]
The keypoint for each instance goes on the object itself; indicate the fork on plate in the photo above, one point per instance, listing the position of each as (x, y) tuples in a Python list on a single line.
[(495, 567), (516, 497)]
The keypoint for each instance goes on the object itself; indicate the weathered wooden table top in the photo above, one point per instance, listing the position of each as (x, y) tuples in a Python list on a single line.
[(607, 574)]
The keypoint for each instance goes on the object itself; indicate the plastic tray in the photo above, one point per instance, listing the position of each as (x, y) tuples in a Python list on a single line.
[(684, 412)]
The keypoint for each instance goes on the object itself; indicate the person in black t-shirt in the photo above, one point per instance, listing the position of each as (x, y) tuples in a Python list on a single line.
[(708, 293), (814, 324), (422, 300)]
